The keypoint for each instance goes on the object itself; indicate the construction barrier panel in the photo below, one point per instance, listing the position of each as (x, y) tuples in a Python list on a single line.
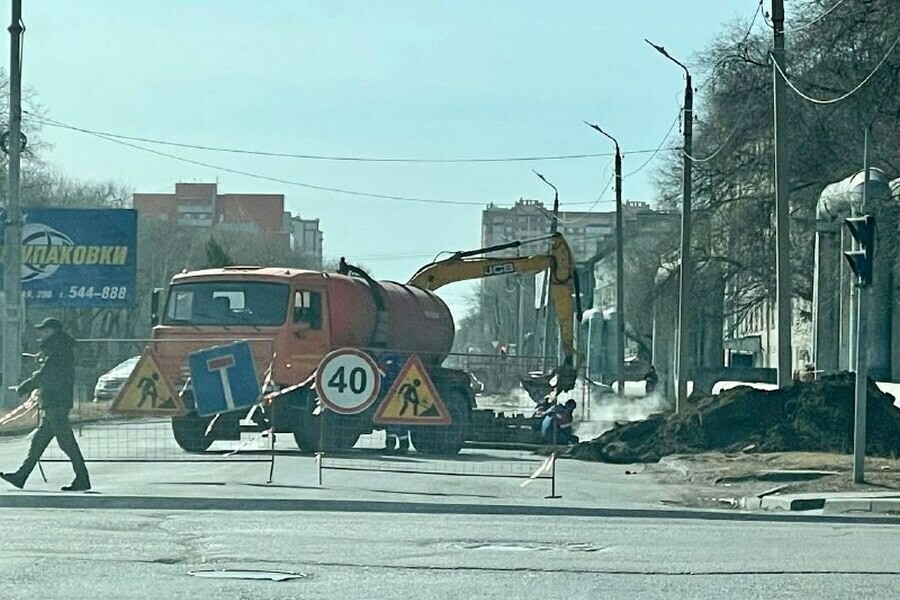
[(151, 427), (430, 414), (432, 420)]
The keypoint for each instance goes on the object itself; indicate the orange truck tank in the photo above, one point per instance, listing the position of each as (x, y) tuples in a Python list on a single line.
[(297, 317)]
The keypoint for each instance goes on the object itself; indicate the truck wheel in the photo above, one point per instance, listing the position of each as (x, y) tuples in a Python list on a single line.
[(190, 433), (311, 436), (447, 439)]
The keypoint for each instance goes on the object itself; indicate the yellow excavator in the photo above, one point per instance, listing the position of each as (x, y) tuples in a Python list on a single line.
[(473, 264)]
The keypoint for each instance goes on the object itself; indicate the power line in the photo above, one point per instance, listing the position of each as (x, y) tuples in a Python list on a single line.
[(286, 181), (53, 123), (746, 36), (305, 185), (756, 12), (584, 217), (658, 148), (606, 187), (398, 256), (724, 143), (813, 21), (843, 96)]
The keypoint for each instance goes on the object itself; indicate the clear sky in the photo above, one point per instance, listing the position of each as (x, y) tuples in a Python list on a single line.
[(386, 78)]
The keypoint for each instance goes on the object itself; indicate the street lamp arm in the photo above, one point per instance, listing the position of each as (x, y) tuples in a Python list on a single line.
[(544, 179), (598, 129), (663, 51)]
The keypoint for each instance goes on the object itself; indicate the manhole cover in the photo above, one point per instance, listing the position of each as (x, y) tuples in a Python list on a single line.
[(247, 574)]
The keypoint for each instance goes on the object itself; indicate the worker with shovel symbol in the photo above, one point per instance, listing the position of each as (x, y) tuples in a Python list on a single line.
[(410, 394), (147, 385)]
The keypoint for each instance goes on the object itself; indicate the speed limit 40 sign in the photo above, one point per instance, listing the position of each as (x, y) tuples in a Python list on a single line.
[(348, 381)]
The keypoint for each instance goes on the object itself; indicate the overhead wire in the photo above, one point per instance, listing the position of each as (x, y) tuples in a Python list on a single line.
[(746, 36), (606, 187), (844, 96), (396, 256), (584, 217), (114, 138), (145, 140), (288, 181), (756, 13), (658, 148), (813, 21), (722, 146)]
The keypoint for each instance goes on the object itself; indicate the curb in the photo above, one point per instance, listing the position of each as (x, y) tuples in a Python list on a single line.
[(18, 500), (884, 506), (782, 503)]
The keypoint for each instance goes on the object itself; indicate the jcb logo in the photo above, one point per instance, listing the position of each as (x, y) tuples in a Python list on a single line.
[(501, 269)]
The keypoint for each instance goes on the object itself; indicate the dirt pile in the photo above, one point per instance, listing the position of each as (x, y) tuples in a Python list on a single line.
[(807, 417)]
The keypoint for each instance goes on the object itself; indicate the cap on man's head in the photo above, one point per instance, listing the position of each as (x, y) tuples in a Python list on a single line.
[(49, 323)]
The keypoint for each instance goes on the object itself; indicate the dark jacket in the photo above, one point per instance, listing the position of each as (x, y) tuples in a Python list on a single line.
[(55, 378)]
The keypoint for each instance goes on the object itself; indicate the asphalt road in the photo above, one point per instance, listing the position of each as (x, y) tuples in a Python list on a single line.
[(375, 534), (477, 475), (151, 554)]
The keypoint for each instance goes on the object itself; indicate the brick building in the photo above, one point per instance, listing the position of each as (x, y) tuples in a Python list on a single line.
[(201, 205)]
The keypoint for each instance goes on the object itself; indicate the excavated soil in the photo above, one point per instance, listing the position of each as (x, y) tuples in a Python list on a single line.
[(807, 417)]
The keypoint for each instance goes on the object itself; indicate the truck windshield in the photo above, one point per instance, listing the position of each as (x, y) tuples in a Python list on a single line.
[(227, 303)]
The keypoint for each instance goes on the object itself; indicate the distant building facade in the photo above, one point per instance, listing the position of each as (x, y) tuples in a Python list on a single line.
[(201, 205), (306, 238), (527, 219), (509, 303)]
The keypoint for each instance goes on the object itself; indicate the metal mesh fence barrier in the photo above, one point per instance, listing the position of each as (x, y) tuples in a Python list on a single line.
[(104, 367), (464, 415), (453, 424)]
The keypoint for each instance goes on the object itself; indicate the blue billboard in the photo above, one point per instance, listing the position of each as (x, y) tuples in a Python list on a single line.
[(78, 257)]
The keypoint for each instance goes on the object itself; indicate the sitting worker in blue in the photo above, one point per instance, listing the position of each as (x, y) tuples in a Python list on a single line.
[(556, 426)]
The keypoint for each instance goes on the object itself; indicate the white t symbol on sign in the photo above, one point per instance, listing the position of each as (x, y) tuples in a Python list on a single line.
[(222, 364)]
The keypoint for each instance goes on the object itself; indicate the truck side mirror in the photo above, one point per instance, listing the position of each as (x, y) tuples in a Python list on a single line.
[(154, 306)]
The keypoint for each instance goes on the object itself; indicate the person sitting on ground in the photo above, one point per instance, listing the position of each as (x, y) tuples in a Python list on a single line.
[(557, 424)]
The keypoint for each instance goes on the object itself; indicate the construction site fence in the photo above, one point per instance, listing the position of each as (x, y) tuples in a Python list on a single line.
[(503, 441), (106, 436)]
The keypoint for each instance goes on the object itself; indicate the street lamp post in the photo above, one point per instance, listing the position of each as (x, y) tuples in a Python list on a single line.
[(553, 227), (682, 360), (620, 268)]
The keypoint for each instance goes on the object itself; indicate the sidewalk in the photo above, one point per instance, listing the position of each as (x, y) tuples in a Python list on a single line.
[(791, 481)]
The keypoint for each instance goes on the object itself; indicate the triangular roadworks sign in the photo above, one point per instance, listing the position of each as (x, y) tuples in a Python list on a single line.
[(147, 392), (412, 399)]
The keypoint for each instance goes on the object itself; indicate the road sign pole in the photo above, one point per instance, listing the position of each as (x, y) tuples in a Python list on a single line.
[(271, 414), (552, 460), (319, 458)]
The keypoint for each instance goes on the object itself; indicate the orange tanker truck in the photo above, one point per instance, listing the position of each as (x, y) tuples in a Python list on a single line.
[(292, 318)]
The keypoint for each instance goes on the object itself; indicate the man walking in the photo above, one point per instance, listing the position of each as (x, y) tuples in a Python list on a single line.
[(54, 379)]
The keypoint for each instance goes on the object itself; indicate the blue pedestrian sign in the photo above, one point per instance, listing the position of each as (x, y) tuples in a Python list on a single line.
[(223, 379)]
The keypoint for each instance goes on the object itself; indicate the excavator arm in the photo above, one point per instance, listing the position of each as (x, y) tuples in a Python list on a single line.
[(464, 266)]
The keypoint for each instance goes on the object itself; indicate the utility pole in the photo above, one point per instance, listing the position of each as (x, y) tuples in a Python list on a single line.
[(684, 337), (12, 242), (548, 323), (782, 207), (620, 269)]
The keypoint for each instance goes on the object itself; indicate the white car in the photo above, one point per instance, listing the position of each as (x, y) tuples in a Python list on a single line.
[(110, 383)]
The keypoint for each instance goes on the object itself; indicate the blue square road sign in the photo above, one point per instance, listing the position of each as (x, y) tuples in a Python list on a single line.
[(223, 379)]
